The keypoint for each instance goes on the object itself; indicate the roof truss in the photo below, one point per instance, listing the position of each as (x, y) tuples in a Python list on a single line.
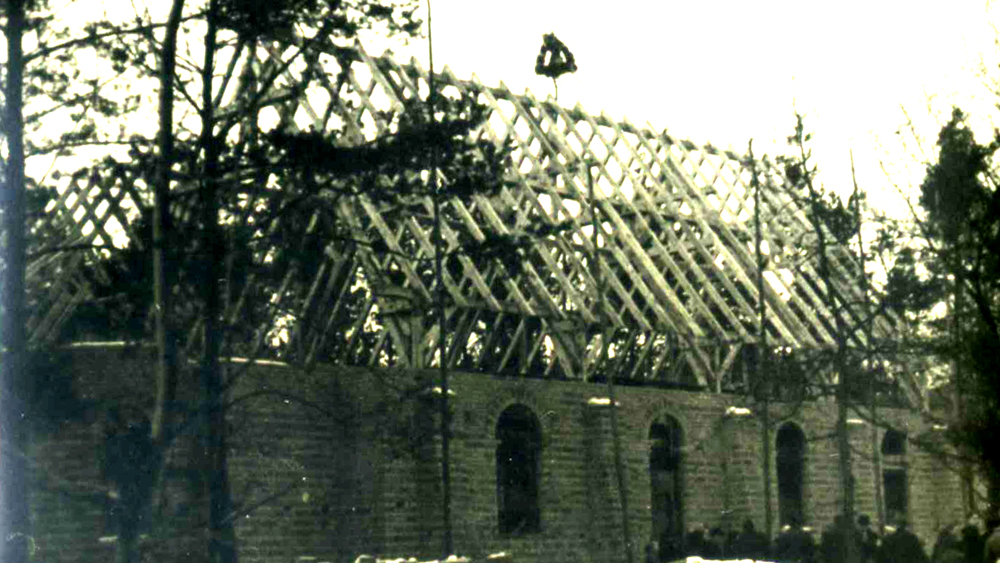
[(670, 286)]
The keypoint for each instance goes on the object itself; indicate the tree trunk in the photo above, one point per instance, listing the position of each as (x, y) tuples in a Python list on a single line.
[(845, 462), (850, 549), (166, 366), (14, 516), (872, 388), (448, 536), (222, 548)]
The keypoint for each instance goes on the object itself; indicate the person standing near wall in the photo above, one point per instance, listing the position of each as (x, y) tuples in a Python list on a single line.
[(794, 544), (832, 544), (696, 543), (973, 543), (868, 538), (948, 546), (652, 552), (901, 546), (751, 544)]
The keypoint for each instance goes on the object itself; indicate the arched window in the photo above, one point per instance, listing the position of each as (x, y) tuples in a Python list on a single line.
[(519, 463), (791, 454), (666, 490), (894, 475)]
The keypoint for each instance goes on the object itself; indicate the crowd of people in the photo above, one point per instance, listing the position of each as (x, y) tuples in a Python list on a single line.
[(842, 541)]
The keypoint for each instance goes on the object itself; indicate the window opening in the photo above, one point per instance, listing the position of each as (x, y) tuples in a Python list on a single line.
[(894, 477)]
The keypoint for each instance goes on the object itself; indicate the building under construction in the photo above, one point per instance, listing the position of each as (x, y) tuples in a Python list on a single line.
[(650, 352)]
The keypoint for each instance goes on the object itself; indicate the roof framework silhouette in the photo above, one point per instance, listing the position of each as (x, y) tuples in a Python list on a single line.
[(676, 297)]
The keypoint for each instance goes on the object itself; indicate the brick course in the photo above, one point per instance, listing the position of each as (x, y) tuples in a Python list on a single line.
[(353, 470)]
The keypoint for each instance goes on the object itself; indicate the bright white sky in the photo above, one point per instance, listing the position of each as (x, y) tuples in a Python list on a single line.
[(728, 70), (725, 71)]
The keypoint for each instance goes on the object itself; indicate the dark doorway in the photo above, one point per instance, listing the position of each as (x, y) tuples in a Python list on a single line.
[(791, 454), (666, 487), (518, 457)]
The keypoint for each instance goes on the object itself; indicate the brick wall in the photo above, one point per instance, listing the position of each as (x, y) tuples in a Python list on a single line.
[(68, 494), (334, 463)]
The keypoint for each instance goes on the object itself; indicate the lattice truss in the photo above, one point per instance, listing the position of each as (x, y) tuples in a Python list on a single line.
[(91, 213), (670, 297)]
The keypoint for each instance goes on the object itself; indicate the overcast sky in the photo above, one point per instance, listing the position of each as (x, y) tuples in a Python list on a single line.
[(726, 71)]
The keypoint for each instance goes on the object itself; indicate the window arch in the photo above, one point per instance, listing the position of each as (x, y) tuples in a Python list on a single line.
[(666, 487), (894, 476), (791, 465), (519, 463)]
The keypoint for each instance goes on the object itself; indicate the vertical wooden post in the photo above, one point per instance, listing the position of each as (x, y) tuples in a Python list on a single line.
[(760, 368)]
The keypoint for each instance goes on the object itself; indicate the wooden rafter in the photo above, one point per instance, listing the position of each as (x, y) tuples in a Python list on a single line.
[(675, 238)]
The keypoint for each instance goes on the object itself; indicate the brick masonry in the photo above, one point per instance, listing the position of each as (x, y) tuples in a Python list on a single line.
[(334, 463)]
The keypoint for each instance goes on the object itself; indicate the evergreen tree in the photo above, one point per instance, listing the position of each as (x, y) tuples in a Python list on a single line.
[(962, 265)]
